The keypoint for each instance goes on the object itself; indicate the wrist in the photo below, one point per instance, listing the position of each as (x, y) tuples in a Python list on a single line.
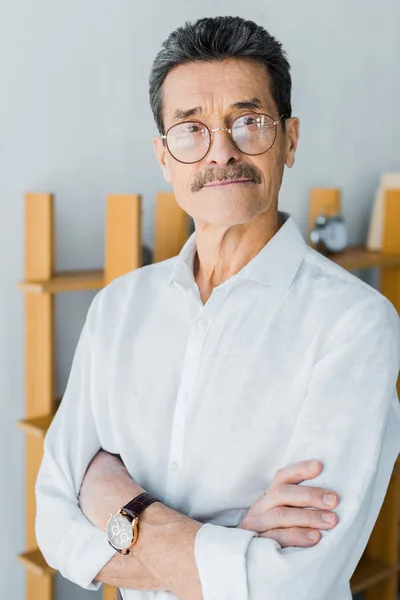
[(162, 527), (161, 522), (114, 500)]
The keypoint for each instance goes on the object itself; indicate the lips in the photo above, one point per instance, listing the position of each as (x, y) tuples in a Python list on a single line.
[(230, 181)]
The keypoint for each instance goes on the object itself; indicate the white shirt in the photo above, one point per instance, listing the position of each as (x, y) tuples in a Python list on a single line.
[(293, 358)]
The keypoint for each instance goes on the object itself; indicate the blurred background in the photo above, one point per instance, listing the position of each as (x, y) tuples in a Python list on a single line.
[(75, 121)]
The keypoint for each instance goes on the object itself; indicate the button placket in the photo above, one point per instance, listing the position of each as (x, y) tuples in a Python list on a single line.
[(197, 337)]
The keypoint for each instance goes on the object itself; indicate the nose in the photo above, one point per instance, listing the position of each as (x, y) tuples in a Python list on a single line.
[(222, 150)]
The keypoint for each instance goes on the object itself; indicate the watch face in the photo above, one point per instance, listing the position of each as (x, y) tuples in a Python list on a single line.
[(120, 532)]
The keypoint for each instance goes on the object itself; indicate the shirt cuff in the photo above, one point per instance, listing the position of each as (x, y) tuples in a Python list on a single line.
[(83, 552), (220, 555)]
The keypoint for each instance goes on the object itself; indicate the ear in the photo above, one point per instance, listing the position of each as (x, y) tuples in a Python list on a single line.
[(161, 154), (292, 137)]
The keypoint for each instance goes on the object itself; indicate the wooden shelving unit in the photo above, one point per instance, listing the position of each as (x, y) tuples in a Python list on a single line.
[(377, 571), (123, 250)]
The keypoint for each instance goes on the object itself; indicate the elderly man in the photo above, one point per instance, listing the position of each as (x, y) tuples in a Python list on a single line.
[(231, 419)]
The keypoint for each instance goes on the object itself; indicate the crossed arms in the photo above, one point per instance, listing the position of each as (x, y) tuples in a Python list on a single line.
[(163, 558)]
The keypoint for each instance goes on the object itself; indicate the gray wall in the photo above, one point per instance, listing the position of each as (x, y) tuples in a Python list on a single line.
[(75, 120)]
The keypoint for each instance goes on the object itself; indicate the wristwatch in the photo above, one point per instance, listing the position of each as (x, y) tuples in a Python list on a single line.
[(123, 527)]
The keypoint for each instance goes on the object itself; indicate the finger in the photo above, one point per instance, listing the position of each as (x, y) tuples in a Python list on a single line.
[(298, 472), (298, 496), (293, 536), (287, 516)]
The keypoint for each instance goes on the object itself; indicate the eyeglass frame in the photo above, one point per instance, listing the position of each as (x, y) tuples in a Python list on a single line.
[(228, 129)]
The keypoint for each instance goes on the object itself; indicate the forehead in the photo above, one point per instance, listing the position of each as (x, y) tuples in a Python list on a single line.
[(215, 86)]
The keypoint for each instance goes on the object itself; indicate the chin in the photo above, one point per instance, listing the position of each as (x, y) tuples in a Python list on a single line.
[(231, 211), (225, 218)]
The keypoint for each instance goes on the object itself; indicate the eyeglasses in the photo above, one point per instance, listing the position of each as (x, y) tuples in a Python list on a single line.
[(190, 141)]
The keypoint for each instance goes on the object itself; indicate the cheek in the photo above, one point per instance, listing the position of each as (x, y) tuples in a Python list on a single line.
[(183, 175), (181, 179), (267, 169), (270, 167)]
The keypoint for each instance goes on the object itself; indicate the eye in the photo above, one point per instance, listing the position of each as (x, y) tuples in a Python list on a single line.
[(247, 124), (251, 119), (193, 128)]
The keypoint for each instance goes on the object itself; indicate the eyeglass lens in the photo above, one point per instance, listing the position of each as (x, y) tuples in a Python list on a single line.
[(252, 134)]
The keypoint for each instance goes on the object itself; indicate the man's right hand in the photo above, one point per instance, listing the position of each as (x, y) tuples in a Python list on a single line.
[(286, 511)]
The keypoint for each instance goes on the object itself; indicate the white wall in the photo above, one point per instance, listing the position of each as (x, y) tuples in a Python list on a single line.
[(75, 120)]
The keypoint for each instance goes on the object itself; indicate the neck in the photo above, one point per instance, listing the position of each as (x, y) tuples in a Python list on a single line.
[(221, 253)]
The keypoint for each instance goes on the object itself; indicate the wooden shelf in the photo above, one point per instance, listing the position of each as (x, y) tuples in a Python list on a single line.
[(71, 281), (34, 561), (370, 571), (356, 257), (37, 426)]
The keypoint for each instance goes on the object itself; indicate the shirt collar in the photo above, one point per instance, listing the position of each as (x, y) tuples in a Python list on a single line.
[(276, 264)]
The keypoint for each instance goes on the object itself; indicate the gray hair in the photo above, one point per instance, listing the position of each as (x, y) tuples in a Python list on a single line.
[(218, 38)]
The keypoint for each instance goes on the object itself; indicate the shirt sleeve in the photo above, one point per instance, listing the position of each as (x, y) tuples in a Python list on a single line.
[(350, 421), (68, 541)]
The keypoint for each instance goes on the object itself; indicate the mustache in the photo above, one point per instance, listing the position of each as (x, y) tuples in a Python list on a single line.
[(240, 171)]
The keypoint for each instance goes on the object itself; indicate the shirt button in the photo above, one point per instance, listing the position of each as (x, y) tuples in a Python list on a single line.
[(202, 324), (185, 396), (174, 466)]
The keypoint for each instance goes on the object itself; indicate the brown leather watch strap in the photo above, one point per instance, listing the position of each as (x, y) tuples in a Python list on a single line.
[(138, 504)]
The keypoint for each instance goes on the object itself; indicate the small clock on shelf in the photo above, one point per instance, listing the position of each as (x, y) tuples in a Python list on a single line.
[(329, 233)]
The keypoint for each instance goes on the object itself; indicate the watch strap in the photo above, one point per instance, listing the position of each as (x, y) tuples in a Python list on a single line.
[(138, 504)]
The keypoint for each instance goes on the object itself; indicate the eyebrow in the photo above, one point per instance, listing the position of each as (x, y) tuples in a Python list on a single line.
[(182, 113)]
